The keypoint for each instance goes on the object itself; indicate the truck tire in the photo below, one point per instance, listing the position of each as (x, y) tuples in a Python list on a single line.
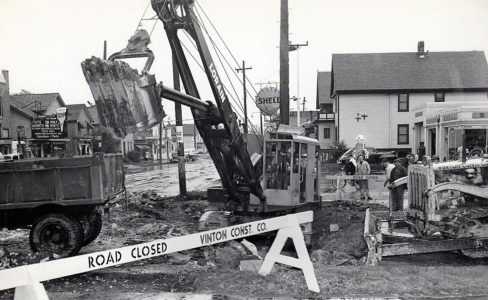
[(56, 233), (92, 225)]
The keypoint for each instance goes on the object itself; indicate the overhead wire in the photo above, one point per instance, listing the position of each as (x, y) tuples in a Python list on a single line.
[(220, 54), (230, 52)]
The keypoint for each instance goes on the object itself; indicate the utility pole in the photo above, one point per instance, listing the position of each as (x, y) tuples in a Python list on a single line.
[(243, 69), (303, 103), (284, 67), (105, 50), (161, 143), (261, 121), (179, 134)]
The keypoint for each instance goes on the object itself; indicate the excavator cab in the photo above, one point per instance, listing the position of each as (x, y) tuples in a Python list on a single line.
[(291, 169)]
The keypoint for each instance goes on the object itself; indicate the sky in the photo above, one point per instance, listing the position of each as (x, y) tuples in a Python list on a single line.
[(44, 41)]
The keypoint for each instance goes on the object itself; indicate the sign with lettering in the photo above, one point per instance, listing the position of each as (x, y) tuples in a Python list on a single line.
[(480, 115), (419, 114), (288, 226), (356, 177), (268, 100), (179, 134), (450, 117), (49, 127)]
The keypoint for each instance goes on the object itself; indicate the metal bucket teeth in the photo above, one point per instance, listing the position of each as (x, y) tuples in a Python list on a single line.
[(126, 101)]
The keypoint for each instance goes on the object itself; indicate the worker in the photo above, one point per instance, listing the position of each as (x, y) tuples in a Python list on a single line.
[(350, 167), (388, 167), (363, 168), (397, 172)]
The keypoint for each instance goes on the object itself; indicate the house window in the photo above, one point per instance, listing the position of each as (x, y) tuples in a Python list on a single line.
[(439, 97), (402, 102), (1, 107), (326, 133), (326, 108), (5, 133), (403, 134)]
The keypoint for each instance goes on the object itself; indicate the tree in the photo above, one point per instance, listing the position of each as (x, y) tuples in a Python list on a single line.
[(339, 149), (108, 141)]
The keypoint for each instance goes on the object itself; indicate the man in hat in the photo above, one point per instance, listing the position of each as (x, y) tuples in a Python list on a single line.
[(397, 172)]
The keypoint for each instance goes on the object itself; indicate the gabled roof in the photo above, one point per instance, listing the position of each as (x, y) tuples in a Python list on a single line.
[(323, 87), (438, 71), (36, 101), (26, 112), (74, 111), (94, 114)]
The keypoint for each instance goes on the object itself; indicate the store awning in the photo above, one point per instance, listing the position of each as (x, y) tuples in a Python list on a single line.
[(143, 147)]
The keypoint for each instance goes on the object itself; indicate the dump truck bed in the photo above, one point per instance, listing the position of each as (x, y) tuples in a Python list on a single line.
[(67, 181)]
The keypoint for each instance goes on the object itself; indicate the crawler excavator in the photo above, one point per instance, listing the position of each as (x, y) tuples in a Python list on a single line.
[(283, 178)]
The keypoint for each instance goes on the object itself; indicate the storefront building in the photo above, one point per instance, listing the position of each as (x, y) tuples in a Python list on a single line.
[(441, 128)]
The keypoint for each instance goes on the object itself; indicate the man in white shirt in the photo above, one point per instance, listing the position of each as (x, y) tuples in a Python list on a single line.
[(388, 167)]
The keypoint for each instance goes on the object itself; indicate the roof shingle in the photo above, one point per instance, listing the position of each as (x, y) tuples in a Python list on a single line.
[(463, 70), (36, 101)]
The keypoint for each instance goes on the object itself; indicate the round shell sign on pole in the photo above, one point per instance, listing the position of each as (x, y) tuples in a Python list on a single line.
[(268, 100)]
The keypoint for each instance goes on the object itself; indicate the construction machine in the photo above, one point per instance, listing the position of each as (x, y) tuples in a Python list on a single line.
[(447, 211), (283, 178)]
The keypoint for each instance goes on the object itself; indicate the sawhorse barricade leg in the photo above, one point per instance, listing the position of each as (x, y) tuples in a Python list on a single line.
[(31, 291), (303, 261)]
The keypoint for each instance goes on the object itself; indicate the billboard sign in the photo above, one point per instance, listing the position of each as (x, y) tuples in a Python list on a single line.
[(49, 127), (268, 100)]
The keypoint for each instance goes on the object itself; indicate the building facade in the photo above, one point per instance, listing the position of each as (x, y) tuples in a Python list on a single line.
[(5, 127), (80, 130), (375, 94), (442, 128), (326, 128), (40, 106)]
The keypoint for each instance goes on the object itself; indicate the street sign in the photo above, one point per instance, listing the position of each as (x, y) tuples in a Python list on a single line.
[(268, 100)]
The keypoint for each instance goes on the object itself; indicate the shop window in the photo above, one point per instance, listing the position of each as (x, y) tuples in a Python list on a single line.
[(326, 133), (403, 134), (439, 97), (403, 102)]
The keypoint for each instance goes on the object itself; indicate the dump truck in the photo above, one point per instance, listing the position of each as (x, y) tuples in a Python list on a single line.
[(447, 211), (61, 200)]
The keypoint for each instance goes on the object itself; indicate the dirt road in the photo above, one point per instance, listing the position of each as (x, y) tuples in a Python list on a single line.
[(337, 256)]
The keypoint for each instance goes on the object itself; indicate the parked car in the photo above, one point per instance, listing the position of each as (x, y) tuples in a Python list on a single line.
[(15, 156)]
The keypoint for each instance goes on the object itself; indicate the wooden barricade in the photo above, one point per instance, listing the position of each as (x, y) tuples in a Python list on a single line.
[(27, 279)]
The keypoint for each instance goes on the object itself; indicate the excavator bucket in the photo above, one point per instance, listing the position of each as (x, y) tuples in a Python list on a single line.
[(126, 100)]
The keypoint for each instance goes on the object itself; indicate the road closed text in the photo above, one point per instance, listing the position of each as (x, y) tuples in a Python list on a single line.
[(115, 256)]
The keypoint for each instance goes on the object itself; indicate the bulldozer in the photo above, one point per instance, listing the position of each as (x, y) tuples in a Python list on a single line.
[(447, 211)]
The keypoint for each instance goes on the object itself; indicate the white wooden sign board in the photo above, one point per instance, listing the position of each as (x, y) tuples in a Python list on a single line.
[(26, 279)]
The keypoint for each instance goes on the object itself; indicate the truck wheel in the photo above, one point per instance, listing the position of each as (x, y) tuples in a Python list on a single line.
[(92, 225), (56, 233)]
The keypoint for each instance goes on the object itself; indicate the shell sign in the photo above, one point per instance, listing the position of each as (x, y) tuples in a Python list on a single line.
[(268, 100)]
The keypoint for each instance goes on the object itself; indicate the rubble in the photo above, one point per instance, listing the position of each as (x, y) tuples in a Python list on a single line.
[(5, 261), (333, 227), (250, 265)]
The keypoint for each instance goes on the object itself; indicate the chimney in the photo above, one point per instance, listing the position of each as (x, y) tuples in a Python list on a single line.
[(421, 50)]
